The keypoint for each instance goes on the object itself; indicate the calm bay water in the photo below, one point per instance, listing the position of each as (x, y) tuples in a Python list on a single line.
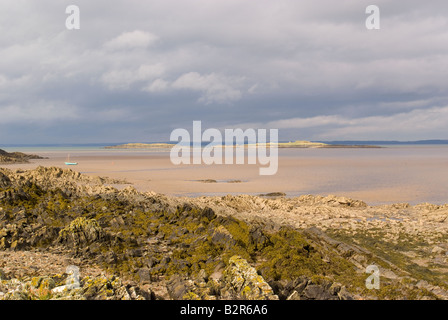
[(413, 174), (399, 173)]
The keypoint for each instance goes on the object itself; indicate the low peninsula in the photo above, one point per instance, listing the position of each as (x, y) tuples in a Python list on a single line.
[(141, 146), (16, 157), (310, 144), (295, 144)]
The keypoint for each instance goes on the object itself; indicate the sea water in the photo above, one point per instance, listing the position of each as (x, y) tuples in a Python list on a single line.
[(393, 173)]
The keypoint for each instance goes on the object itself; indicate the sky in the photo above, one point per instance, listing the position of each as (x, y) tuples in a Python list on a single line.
[(136, 70)]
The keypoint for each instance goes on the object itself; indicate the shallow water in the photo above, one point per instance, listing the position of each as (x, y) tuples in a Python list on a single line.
[(411, 174), (393, 174)]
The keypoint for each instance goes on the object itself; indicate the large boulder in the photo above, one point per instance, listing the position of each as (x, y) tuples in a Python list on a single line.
[(81, 232), (184, 288), (306, 289), (5, 182), (243, 281), (3, 275), (222, 237)]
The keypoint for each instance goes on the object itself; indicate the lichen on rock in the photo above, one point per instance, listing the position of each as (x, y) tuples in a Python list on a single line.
[(243, 280), (232, 247), (81, 231)]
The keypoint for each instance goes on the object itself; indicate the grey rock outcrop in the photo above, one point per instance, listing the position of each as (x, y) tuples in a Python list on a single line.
[(81, 231), (242, 280)]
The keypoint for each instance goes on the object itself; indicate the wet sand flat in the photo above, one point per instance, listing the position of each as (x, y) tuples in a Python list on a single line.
[(376, 176)]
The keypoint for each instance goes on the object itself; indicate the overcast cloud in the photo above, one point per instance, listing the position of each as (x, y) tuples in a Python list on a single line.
[(136, 70)]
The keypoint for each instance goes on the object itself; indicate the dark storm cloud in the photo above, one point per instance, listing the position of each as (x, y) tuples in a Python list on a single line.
[(136, 70)]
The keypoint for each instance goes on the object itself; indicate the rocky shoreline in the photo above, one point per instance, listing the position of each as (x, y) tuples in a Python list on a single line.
[(16, 157), (133, 245)]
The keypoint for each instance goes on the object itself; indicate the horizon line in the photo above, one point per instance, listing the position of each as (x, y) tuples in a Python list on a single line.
[(427, 141)]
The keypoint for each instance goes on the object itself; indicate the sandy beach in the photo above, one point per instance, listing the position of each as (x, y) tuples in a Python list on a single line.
[(377, 176)]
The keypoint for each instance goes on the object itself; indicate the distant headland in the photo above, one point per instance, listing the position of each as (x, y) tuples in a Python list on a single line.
[(295, 144), (141, 146), (16, 157), (309, 144)]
